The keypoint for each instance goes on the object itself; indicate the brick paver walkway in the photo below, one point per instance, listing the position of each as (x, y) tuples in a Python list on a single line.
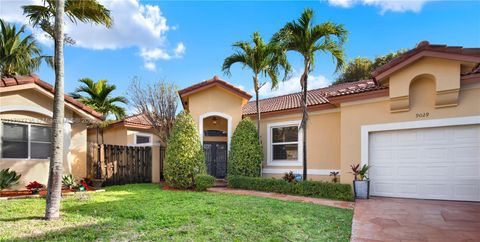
[(320, 201)]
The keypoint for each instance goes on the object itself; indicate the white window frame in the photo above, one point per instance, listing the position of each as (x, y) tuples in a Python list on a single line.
[(29, 132), (150, 136), (270, 161)]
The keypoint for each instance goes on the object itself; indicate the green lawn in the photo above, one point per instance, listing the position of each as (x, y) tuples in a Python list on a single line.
[(145, 212)]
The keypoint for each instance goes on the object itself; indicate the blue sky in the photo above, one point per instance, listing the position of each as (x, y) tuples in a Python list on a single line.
[(186, 41)]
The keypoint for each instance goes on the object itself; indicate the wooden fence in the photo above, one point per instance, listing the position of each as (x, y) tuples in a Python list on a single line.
[(119, 164)]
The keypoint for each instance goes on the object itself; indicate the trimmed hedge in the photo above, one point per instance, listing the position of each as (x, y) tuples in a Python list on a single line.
[(245, 156), (202, 182), (184, 157), (318, 189)]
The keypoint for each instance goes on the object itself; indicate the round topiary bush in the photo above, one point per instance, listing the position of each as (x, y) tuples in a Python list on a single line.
[(245, 157), (184, 157)]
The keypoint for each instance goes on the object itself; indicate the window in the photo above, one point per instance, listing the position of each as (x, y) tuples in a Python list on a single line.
[(143, 139), (25, 141), (283, 144)]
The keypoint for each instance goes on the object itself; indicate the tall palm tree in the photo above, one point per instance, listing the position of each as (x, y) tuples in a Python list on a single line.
[(99, 97), (307, 39), (19, 55), (50, 17), (264, 59)]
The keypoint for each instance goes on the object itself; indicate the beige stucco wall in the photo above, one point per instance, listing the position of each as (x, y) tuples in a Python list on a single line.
[(216, 99), (37, 169)]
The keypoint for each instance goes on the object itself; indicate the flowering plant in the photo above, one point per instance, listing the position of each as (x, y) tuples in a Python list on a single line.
[(34, 186)]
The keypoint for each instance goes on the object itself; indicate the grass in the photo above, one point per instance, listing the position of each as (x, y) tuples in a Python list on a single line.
[(145, 212)]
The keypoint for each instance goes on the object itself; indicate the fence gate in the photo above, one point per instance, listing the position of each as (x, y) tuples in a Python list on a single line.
[(119, 164)]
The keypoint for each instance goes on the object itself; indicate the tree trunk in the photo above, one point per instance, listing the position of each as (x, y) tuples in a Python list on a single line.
[(255, 83), (52, 210), (303, 125)]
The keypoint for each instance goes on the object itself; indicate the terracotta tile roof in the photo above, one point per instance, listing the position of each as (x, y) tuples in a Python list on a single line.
[(426, 46), (214, 81), (134, 121), (20, 80), (315, 97)]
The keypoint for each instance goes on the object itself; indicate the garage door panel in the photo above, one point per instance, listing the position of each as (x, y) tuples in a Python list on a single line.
[(429, 163)]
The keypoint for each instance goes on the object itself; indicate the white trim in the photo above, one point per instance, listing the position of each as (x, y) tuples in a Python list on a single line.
[(270, 161), (150, 136), (367, 129), (34, 109), (223, 115), (320, 172)]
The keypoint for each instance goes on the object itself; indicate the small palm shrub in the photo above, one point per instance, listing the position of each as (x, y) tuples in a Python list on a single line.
[(184, 156), (202, 182), (245, 157), (68, 181), (8, 178)]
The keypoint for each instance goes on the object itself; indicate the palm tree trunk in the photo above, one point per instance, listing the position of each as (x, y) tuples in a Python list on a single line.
[(303, 125), (52, 210), (255, 83)]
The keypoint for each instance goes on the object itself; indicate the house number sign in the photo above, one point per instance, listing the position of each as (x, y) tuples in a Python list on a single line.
[(422, 115)]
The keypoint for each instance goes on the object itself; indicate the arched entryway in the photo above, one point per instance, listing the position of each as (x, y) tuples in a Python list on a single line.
[(215, 133)]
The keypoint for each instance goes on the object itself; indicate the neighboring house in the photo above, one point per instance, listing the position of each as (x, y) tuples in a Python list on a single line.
[(417, 124), (135, 130), (25, 125)]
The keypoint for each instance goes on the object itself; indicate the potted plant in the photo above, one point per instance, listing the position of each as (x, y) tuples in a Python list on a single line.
[(34, 187), (361, 184)]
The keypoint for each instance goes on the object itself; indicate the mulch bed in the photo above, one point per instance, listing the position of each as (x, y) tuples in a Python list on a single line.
[(27, 193), (169, 188)]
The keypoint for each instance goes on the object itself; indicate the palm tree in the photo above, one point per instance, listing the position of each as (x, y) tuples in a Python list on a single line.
[(306, 38), (19, 56), (98, 96), (264, 59), (50, 17)]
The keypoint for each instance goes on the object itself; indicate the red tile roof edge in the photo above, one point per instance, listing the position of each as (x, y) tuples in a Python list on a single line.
[(20, 80), (133, 121), (214, 80)]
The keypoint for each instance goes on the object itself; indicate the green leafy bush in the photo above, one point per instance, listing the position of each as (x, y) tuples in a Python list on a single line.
[(8, 178), (245, 157), (184, 156), (318, 189), (68, 181), (202, 182)]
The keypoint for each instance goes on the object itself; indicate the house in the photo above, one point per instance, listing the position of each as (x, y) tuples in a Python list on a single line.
[(25, 119), (416, 123), (135, 130)]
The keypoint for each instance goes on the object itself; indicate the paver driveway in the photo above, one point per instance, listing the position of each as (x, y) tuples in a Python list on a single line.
[(395, 219)]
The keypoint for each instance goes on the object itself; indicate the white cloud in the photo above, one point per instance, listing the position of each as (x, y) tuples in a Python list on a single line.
[(385, 5), (292, 85), (150, 66), (134, 25)]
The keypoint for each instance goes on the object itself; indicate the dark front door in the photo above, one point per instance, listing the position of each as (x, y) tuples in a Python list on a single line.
[(216, 158)]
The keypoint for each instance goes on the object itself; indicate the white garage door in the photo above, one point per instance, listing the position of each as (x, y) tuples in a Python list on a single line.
[(428, 163)]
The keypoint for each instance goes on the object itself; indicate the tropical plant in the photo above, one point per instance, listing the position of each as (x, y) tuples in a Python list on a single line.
[(8, 178), (335, 176), (50, 18), (361, 68), (264, 59), (359, 172), (34, 187), (307, 39), (19, 55), (289, 177), (184, 156), (245, 156), (98, 95), (69, 182)]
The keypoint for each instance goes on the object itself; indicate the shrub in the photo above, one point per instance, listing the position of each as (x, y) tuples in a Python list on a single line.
[(245, 156), (184, 156), (8, 178), (34, 186), (289, 177), (318, 189), (202, 182), (68, 181)]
